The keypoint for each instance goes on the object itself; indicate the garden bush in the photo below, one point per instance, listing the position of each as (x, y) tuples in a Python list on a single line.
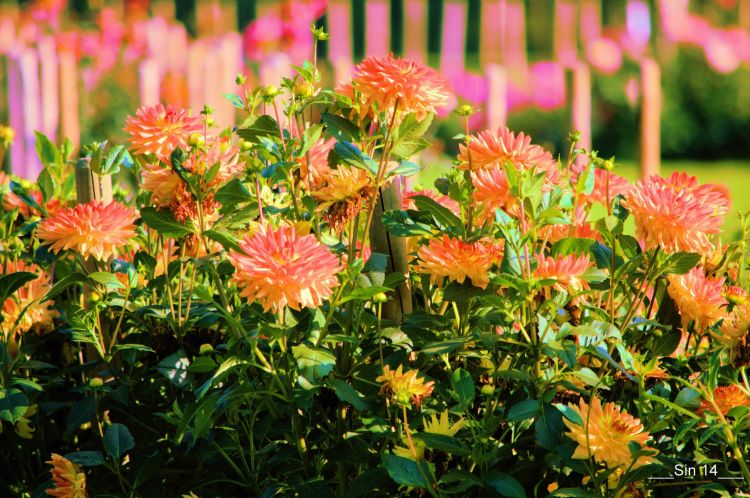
[(271, 311)]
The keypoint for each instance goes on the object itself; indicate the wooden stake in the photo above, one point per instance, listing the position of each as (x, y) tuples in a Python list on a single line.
[(69, 98)]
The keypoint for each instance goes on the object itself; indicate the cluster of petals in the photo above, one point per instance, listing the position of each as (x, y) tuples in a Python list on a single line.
[(580, 228), (315, 162), (159, 130), (604, 434), (491, 149), (725, 398), (93, 229), (67, 477), (676, 213), (389, 84), (699, 298), (404, 387), (38, 315), (458, 260), (736, 324), (566, 271), (491, 192), (280, 268)]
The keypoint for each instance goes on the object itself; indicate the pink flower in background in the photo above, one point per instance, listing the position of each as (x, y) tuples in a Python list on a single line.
[(604, 55), (262, 37), (721, 52), (632, 91), (547, 85)]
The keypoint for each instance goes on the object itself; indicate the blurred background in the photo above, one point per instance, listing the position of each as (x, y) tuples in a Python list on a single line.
[(660, 84)]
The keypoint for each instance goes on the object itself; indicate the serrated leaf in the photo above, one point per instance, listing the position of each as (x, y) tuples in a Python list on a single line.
[(165, 223), (340, 128), (86, 458), (409, 139), (314, 363), (348, 394), (11, 282), (405, 471), (505, 484), (13, 405), (524, 410), (46, 150), (442, 442), (442, 215), (681, 263), (46, 184), (236, 100), (263, 126), (234, 192)]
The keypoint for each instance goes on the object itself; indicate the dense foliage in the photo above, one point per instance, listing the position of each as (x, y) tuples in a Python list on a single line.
[(272, 312)]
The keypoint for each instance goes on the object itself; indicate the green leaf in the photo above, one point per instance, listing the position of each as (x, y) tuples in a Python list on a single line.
[(226, 239), (118, 440), (340, 128), (106, 278), (46, 150), (681, 263), (406, 168), (442, 347), (399, 224), (463, 387), (133, 347), (11, 282), (585, 181), (549, 427), (22, 194), (13, 405), (82, 412), (350, 154), (175, 368), (64, 283), (442, 442), (263, 126), (572, 245), (236, 100), (405, 471), (46, 184), (442, 215), (505, 484), (524, 410), (86, 458), (574, 493), (165, 223), (688, 398), (234, 192), (348, 394), (363, 293), (588, 377), (409, 135), (314, 363), (116, 157)]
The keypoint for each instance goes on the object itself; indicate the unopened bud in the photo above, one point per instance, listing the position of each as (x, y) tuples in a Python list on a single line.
[(380, 297), (196, 140), (245, 146), (210, 122), (270, 91), (96, 382), (205, 349), (319, 33), (240, 79), (302, 89), (465, 110)]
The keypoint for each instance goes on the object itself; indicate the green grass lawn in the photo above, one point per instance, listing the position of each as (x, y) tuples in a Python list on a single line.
[(733, 174)]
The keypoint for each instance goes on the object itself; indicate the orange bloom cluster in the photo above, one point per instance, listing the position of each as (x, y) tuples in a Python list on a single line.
[(342, 193), (458, 260), (159, 130), (726, 398), (565, 270), (699, 298), (93, 229), (490, 149), (38, 315), (404, 387), (279, 268), (169, 191), (580, 228), (69, 479), (492, 191), (676, 213), (389, 84), (604, 434)]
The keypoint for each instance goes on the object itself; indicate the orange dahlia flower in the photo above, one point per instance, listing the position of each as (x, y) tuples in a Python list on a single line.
[(492, 191), (38, 315), (567, 271), (93, 229), (580, 228), (604, 434), (342, 193), (404, 387), (69, 479), (388, 84), (677, 214), (490, 149), (279, 268), (726, 398), (735, 325), (699, 298), (315, 162), (159, 130), (458, 260)]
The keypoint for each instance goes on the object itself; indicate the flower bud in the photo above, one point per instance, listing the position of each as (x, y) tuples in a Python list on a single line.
[(205, 348), (270, 91), (465, 110), (210, 122), (240, 79), (196, 140), (380, 297), (488, 390), (245, 146), (96, 382), (302, 88)]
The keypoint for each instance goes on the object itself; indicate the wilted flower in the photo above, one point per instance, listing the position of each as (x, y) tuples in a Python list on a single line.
[(159, 130), (93, 229), (280, 268), (699, 298), (567, 271), (388, 84), (604, 434), (442, 425), (342, 193), (458, 260), (69, 479), (404, 387), (677, 214), (726, 398), (38, 315), (490, 149)]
